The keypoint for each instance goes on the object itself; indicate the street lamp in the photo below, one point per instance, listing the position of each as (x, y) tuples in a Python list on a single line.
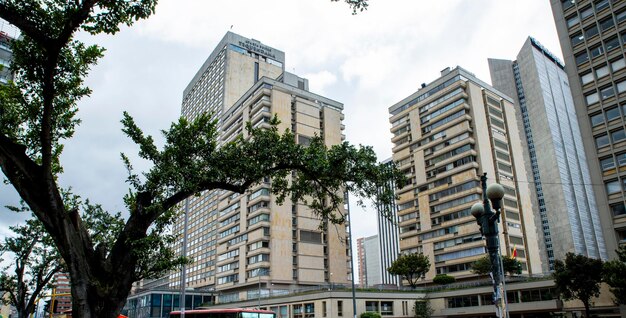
[(488, 222)]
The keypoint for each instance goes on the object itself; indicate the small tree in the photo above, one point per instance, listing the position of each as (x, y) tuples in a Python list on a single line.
[(410, 267), (444, 279), (370, 314), (35, 263), (422, 308), (510, 265), (579, 278), (614, 274)]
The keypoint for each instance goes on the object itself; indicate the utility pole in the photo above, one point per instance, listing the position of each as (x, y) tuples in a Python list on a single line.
[(488, 222)]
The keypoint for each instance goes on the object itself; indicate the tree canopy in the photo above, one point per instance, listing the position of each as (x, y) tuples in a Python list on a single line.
[(614, 272), (105, 253), (578, 277), (411, 267), (35, 261), (511, 265)]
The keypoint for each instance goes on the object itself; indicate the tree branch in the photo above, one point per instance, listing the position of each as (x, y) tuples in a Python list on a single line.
[(26, 26)]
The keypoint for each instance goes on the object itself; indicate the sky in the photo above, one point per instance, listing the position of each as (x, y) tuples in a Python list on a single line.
[(367, 61)]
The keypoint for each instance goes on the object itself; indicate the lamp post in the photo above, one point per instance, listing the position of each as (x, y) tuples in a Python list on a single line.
[(488, 222)]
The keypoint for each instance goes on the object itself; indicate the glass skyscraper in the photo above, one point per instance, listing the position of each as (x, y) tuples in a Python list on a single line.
[(558, 169)]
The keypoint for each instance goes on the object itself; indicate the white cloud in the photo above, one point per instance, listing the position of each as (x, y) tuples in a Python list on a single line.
[(318, 82), (368, 62)]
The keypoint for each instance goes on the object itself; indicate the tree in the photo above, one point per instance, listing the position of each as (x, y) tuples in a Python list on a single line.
[(410, 267), (422, 308), (370, 314), (35, 263), (104, 255), (511, 265), (444, 279), (579, 278), (614, 274)]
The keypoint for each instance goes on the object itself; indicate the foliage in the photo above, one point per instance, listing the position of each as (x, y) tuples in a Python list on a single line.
[(614, 274), (410, 267), (356, 5), (444, 279), (511, 265), (579, 278), (35, 261), (422, 308), (103, 252), (370, 314)]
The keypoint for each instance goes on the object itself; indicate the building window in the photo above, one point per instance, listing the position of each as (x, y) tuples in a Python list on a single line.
[(386, 308), (597, 119), (340, 308), (602, 71), (586, 78), (462, 301), (621, 86), (621, 159), (618, 64), (607, 92), (613, 187), (618, 209), (591, 32), (611, 44), (572, 21), (607, 163), (620, 16), (371, 306), (567, 4), (586, 12), (602, 141), (618, 135), (601, 5), (592, 98), (612, 114), (596, 51), (582, 58), (607, 23)]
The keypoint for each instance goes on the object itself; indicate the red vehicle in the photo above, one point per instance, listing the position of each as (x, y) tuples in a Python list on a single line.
[(225, 313)]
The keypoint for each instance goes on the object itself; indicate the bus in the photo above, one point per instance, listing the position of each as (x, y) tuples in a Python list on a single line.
[(225, 313)]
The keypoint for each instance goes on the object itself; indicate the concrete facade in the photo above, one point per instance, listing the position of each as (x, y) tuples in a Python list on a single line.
[(555, 158), (446, 135), (592, 39), (243, 245), (369, 253)]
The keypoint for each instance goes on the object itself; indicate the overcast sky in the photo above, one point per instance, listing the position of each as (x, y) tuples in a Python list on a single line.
[(368, 62)]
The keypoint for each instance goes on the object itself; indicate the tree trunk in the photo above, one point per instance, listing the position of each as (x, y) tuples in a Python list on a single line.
[(586, 303), (99, 299)]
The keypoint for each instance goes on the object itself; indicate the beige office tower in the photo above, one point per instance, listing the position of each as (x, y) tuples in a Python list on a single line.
[(592, 36), (446, 135), (245, 246)]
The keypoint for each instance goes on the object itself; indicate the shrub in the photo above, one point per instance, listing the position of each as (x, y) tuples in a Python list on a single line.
[(443, 279)]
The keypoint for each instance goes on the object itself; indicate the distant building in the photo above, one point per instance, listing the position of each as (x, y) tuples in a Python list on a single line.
[(592, 36), (369, 261), (61, 285), (445, 136), (555, 156), (7, 34), (246, 246), (389, 243)]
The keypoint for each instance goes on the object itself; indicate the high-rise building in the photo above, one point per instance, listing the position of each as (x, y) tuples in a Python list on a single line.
[(388, 234), (555, 158), (246, 246), (7, 34), (369, 255), (62, 293), (446, 135), (592, 36)]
